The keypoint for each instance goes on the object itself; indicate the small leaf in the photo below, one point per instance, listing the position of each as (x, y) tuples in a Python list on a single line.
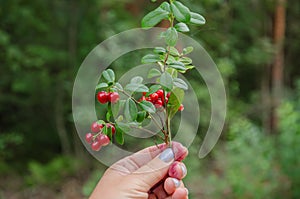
[(159, 50), (175, 101), (171, 36), (180, 11), (154, 17), (174, 52), (147, 106), (182, 27), (153, 73), (165, 6), (136, 87), (186, 60), (109, 133), (178, 66), (119, 86), (188, 50), (108, 115), (141, 116), (153, 89), (137, 80), (119, 136), (180, 83), (189, 67), (197, 19), (150, 58), (101, 85), (171, 59), (115, 108), (130, 110), (166, 81), (173, 72), (109, 75), (123, 126)]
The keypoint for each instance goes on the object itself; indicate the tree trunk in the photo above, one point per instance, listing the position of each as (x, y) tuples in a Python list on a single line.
[(278, 63)]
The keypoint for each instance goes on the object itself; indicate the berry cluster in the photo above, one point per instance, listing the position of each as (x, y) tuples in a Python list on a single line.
[(158, 99), (97, 138), (104, 97)]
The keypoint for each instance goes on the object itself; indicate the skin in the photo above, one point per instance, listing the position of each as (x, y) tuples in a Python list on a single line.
[(144, 175)]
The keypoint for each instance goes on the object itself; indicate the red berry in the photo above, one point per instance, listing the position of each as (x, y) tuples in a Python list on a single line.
[(96, 146), (168, 95), (158, 104), (113, 97), (144, 93), (154, 97), (148, 99), (113, 129), (95, 127), (143, 98), (181, 108), (102, 97), (89, 138), (167, 100), (160, 93), (104, 140)]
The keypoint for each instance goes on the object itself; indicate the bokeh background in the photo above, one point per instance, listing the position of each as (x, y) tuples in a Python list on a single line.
[(255, 43)]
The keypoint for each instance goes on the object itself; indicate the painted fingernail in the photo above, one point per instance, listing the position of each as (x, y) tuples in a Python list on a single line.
[(184, 171), (176, 182), (167, 155)]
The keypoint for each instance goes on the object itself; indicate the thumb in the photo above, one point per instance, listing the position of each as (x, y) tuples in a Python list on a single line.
[(154, 171)]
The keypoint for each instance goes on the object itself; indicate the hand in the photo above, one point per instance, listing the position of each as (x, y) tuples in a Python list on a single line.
[(147, 174)]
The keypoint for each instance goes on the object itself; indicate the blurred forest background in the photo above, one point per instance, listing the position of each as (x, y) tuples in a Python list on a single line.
[(255, 43)]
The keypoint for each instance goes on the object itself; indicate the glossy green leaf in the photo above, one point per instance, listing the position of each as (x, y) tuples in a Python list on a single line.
[(136, 87), (187, 50), (174, 51), (137, 80), (189, 66), (109, 75), (197, 19), (150, 58), (153, 89), (154, 17), (147, 106), (182, 27), (101, 85), (186, 60), (130, 110), (119, 136), (153, 72), (159, 50), (175, 101), (171, 36), (166, 81), (180, 11), (177, 65), (124, 126), (141, 116), (180, 83), (173, 72), (165, 6), (119, 86)]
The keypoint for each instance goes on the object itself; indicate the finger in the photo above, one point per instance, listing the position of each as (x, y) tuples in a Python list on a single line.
[(160, 192), (180, 151), (152, 196), (180, 193), (177, 170), (171, 184)]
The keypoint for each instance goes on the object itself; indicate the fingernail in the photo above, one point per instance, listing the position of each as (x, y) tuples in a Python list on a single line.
[(183, 170), (176, 182), (167, 155)]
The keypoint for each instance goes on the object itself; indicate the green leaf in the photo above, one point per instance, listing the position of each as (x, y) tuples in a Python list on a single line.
[(153, 89), (197, 19), (171, 59), (147, 106), (124, 126), (109, 75), (141, 116), (174, 51), (119, 136), (154, 17), (171, 36), (180, 83), (108, 115), (150, 58), (189, 67), (188, 50), (173, 72), (137, 80), (119, 86), (130, 110), (153, 73), (180, 11), (182, 27), (136, 87), (115, 108), (109, 133), (165, 6), (101, 85), (178, 66), (186, 60), (159, 50), (175, 101), (166, 81)]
